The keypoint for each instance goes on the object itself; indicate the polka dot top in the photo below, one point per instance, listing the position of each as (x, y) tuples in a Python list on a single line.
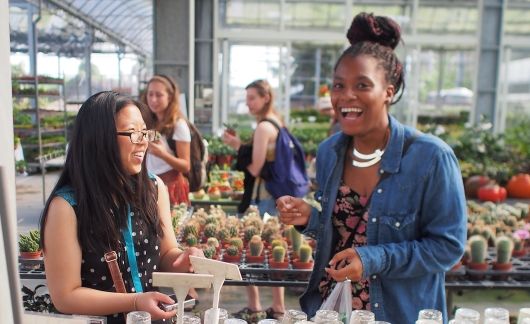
[(95, 272)]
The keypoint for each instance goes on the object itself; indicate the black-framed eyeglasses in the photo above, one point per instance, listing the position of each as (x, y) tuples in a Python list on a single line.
[(136, 137)]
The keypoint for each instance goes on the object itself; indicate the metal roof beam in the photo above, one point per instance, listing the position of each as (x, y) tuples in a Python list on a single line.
[(103, 29)]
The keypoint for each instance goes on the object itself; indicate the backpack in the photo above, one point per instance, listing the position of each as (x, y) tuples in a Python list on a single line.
[(198, 158), (286, 175)]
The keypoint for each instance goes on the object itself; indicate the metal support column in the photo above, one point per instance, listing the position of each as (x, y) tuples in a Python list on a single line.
[(88, 60), (10, 299), (489, 60), (171, 41)]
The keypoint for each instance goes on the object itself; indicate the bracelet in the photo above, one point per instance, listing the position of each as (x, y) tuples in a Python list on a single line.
[(134, 302)]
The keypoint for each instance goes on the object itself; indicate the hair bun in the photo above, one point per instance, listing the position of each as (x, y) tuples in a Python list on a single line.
[(366, 27)]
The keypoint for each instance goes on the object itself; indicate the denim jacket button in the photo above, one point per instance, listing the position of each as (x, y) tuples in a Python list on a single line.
[(374, 277), (397, 224), (374, 220), (376, 305), (381, 171), (379, 190)]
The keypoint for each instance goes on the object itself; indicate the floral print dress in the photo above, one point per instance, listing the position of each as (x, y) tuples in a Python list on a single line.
[(350, 216)]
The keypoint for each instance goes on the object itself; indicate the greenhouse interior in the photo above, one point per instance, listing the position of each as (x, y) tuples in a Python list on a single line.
[(249, 162)]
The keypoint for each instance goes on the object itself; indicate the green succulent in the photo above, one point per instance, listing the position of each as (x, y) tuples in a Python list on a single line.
[(29, 242)]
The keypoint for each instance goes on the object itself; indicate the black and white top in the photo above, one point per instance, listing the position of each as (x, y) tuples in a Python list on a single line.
[(94, 270)]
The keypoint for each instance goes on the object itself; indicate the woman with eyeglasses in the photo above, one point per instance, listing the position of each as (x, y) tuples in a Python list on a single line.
[(168, 157), (106, 206)]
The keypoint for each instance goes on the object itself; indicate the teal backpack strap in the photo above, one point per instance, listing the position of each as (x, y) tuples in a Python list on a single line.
[(151, 176), (68, 194)]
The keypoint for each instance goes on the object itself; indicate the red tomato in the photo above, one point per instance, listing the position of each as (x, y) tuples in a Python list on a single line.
[(492, 192)]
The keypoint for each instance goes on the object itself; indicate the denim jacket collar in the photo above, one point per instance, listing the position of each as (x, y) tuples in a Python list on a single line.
[(391, 160)]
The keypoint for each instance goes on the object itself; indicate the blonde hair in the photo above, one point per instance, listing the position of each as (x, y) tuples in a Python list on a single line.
[(263, 89), (173, 112)]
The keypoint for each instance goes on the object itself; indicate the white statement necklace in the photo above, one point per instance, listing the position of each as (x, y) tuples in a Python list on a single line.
[(370, 159)]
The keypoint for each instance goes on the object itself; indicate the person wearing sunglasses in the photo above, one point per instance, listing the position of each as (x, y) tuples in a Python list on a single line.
[(106, 203), (168, 157)]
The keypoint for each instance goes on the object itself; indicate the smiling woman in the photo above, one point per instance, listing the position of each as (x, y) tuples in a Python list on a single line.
[(106, 204), (393, 206)]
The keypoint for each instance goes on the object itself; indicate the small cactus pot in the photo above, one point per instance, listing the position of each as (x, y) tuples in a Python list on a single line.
[(501, 266), (297, 264), (31, 255), (519, 253), (255, 259), (231, 258)]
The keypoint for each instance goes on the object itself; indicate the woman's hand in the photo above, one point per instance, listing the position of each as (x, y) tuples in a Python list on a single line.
[(346, 264), (149, 302), (293, 211), (231, 140), (157, 148), (182, 262)]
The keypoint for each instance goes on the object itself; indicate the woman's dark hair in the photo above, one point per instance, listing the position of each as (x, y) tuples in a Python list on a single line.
[(102, 188), (377, 36)]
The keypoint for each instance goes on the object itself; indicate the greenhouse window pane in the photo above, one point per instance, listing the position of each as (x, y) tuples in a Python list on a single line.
[(250, 13), (439, 20), (517, 22), (314, 15)]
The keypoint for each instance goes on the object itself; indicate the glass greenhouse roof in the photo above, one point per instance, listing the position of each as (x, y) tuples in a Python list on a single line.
[(63, 25), (128, 25)]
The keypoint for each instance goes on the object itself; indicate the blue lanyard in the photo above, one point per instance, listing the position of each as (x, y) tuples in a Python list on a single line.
[(131, 254)]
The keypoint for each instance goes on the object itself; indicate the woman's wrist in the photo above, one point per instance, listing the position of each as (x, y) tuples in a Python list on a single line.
[(135, 299)]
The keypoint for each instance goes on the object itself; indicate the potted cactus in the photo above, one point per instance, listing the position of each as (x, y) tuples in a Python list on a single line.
[(232, 254), (250, 232), (209, 252), (237, 242), (278, 258), (304, 260), (478, 248), (519, 249), (504, 247), (191, 240), (29, 245), (223, 235), (213, 242), (255, 250), (296, 240), (210, 230)]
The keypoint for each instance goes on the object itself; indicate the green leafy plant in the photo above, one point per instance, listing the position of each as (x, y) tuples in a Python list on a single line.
[(484, 152)]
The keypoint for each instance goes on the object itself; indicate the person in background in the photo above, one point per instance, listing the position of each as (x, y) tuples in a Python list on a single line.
[(326, 108), (260, 104), (103, 201), (168, 157), (393, 216)]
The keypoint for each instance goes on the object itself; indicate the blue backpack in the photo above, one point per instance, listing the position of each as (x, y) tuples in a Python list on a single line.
[(286, 175)]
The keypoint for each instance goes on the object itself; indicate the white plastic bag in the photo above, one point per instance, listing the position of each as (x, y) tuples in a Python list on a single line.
[(340, 300)]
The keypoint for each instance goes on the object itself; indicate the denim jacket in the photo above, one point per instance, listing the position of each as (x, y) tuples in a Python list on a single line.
[(416, 227)]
